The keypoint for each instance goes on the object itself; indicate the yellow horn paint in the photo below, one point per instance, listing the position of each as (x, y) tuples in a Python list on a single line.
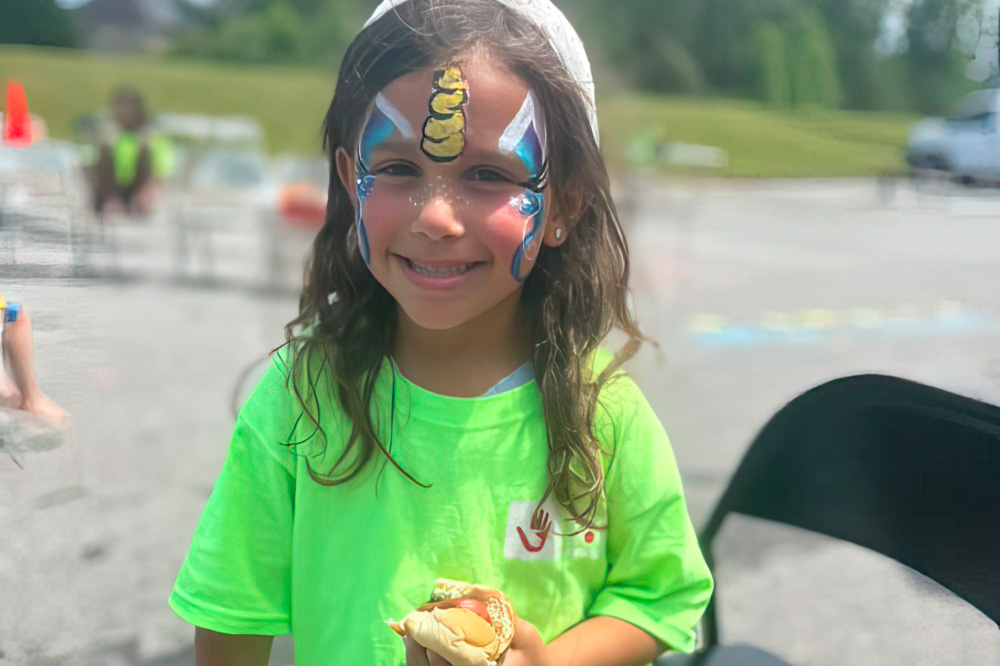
[(444, 129)]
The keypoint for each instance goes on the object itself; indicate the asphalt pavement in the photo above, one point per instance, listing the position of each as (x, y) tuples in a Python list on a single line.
[(754, 290)]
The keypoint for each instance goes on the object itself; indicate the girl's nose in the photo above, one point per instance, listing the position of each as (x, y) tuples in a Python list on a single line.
[(437, 219)]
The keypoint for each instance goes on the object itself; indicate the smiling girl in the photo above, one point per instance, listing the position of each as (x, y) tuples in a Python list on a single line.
[(442, 407)]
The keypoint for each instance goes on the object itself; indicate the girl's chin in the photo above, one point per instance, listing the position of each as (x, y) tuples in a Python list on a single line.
[(436, 321), (440, 317)]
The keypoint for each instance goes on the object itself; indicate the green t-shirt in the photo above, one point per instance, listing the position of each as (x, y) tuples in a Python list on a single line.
[(276, 552), (126, 148)]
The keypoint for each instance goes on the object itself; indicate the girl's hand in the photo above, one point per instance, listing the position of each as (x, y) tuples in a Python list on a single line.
[(527, 649), (418, 655)]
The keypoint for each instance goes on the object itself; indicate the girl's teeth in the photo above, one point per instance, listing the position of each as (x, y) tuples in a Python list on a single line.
[(432, 271)]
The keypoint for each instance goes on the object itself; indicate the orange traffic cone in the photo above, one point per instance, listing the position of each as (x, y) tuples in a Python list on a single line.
[(17, 120)]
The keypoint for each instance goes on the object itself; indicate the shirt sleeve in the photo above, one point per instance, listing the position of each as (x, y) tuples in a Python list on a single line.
[(236, 578), (657, 577)]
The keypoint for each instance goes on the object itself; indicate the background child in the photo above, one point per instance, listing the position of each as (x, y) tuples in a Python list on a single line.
[(442, 408), (19, 389), (132, 160)]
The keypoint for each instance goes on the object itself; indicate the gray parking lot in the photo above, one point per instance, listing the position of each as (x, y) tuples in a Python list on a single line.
[(754, 291)]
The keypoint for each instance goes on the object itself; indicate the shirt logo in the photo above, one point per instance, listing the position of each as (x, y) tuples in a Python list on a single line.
[(541, 524), (530, 530), (544, 533)]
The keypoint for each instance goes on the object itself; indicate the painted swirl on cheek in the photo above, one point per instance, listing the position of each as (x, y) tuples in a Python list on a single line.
[(529, 205), (524, 138), (383, 120), (365, 184)]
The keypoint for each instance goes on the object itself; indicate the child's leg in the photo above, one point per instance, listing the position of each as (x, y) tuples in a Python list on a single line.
[(10, 395), (19, 356)]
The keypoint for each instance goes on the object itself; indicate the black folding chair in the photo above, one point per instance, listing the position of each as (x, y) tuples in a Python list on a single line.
[(907, 470)]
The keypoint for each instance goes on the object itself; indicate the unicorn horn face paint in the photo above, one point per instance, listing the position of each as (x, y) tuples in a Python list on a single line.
[(444, 129), (450, 176)]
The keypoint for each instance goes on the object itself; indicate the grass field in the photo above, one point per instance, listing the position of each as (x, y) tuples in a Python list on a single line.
[(290, 102)]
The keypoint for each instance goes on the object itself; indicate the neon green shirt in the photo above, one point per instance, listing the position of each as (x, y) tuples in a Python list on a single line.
[(126, 149), (275, 552)]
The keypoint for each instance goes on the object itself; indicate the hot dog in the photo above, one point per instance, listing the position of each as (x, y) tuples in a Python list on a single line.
[(468, 625)]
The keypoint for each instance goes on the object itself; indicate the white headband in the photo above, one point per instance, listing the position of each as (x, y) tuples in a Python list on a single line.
[(561, 35)]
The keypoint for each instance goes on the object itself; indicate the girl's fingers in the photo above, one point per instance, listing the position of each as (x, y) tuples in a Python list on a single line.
[(416, 654)]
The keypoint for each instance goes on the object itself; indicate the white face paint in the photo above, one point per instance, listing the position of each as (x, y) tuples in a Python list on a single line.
[(383, 120), (525, 137), (440, 187), (395, 116)]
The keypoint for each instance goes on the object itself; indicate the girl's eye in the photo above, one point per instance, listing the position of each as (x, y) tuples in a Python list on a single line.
[(489, 176), (397, 170)]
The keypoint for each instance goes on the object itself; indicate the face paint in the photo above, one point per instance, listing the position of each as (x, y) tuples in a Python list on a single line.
[(525, 137), (443, 137), (383, 120), (443, 188), (531, 206), (444, 129)]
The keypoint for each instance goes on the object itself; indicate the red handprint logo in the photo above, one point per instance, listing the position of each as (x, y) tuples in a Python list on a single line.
[(541, 524)]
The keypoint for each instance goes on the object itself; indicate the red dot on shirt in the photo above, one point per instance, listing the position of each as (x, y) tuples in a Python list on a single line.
[(589, 537)]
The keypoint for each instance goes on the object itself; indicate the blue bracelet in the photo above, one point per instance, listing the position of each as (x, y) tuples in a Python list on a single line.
[(11, 311)]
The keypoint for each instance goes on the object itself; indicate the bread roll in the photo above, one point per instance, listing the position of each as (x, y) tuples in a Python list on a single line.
[(468, 625)]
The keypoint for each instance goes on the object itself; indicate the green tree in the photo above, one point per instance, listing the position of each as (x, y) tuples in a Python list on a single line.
[(771, 79), (812, 60), (934, 56), (38, 22), (647, 42), (854, 27), (277, 31), (724, 40)]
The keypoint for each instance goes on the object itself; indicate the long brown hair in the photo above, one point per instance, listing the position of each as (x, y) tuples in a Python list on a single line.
[(573, 297)]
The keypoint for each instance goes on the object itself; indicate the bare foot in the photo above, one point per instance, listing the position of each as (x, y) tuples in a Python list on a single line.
[(49, 411), (10, 395)]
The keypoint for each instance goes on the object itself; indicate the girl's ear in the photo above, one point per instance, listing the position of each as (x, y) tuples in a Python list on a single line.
[(555, 233), (345, 171), (557, 228)]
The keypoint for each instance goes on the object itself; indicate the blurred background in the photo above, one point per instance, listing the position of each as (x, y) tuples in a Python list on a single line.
[(809, 188)]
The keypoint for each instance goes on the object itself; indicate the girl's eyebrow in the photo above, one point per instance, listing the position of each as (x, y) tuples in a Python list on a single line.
[(410, 147), (404, 146), (508, 160)]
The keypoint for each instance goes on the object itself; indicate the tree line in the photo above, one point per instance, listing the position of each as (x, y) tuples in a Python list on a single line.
[(858, 54)]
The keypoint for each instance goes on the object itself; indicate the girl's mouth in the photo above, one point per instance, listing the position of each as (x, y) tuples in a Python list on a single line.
[(439, 271)]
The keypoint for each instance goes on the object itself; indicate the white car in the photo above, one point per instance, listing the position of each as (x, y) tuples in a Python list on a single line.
[(966, 145)]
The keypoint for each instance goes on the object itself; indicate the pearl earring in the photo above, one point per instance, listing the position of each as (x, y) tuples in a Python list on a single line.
[(559, 233)]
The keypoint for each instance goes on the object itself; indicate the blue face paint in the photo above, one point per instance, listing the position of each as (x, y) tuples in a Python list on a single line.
[(522, 137), (383, 120), (379, 128), (365, 183), (529, 149), (531, 205)]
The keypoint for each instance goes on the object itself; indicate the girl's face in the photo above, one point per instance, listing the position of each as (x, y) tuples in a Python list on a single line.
[(448, 186)]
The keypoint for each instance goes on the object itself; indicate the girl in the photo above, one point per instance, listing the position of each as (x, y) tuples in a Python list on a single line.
[(441, 408)]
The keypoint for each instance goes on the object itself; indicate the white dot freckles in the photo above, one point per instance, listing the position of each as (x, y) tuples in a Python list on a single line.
[(438, 188)]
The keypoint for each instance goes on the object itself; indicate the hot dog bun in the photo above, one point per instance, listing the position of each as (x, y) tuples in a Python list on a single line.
[(468, 625)]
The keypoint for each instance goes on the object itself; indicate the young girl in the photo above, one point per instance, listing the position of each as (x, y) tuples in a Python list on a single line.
[(442, 408)]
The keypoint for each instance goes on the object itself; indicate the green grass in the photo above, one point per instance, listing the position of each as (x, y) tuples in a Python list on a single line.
[(290, 103), (61, 84), (764, 142)]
